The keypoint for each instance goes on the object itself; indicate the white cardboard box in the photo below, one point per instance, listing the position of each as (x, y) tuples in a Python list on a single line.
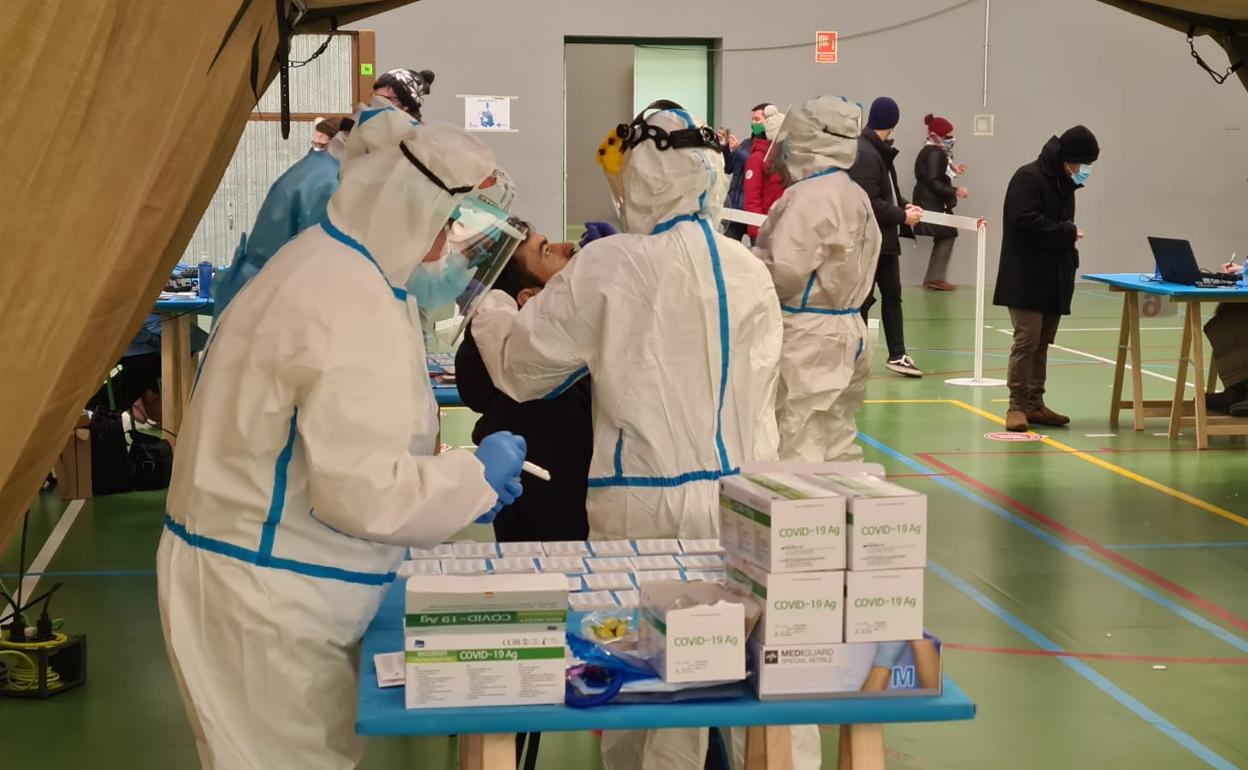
[(887, 523), (702, 643), (884, 605), (484, 669), (784, 523), (456, 603), (798, 607), (787, 672)]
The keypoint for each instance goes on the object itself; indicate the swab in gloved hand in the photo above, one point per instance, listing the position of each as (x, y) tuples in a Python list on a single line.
[(536, 470)]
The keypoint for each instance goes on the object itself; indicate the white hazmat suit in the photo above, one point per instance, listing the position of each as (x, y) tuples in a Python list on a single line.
[(305, 463), (821, 243), (680, 329)]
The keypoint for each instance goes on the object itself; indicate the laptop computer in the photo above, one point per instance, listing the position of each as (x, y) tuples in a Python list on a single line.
[(1176, 262)]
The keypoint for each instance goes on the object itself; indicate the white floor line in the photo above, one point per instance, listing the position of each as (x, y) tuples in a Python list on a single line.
[(1115, 328), (44, 557), (1102, 359)]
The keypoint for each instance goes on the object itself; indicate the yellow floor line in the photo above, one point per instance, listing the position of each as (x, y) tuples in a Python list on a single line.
[(1172, 492), (907, 401)]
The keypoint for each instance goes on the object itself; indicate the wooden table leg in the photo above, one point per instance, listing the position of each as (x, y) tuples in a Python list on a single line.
[(1180, 379), (176, 372), (491, 751), (769, 748), (1137, 364), (1212, 385), (862, 747), (1198, 369), (1115, 407)]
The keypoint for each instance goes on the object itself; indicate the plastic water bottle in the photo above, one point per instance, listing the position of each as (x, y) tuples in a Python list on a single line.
[(205, 278)]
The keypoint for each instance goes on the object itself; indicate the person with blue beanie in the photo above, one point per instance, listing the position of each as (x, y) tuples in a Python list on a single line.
[(875, 172)]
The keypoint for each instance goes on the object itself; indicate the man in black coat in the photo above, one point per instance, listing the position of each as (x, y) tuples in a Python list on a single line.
[(559, 430), (875, 173), (1036, 277)]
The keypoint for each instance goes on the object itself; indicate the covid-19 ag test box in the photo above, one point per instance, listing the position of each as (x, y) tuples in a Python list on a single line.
[(783, 523), (460, 603), (884, 605), (798, 607), (887, 523), (511, 668)]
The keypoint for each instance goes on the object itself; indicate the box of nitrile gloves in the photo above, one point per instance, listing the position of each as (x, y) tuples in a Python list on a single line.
[(783, 523)]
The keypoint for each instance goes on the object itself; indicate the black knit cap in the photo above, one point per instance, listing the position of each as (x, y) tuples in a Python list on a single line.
[(1079, 146)]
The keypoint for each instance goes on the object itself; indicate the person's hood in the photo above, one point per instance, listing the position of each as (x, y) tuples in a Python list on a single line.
[(660, 185), (1050, 162), (387, 203), (817, 135)]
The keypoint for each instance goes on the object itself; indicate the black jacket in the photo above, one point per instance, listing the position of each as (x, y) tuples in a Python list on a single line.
[(875, 173), (1038, 255), (934, 189), (559, 434)]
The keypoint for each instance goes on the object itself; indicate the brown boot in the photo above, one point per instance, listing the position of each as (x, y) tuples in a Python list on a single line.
[(1046, 416), (1016, 421)]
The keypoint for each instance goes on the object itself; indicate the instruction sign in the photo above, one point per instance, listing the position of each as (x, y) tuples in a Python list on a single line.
[(825, 48), (487, 113)]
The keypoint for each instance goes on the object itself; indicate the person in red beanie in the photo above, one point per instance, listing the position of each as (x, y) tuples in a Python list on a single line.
[(762, 189), (934, 172)]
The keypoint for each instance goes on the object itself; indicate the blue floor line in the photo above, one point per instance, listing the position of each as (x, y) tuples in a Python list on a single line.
[(1154, 719), (1077, 553)]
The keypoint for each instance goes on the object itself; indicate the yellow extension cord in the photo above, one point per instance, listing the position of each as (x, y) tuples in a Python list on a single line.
[(23, 675)]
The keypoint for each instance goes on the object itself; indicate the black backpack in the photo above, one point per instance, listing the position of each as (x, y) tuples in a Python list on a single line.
[(111, 469), (152, 460)]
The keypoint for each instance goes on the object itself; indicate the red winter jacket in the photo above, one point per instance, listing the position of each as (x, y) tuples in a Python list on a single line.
[(761, 190)]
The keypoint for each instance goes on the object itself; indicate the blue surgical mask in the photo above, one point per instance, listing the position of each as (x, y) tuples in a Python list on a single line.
[(438, 283), (1080, 177), (947, 142)]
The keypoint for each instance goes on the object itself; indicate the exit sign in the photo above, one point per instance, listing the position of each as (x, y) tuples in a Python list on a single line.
[(825, 48)]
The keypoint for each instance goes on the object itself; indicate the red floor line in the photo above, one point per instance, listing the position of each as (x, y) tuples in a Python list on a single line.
[(1107, 554), (1094, 655)]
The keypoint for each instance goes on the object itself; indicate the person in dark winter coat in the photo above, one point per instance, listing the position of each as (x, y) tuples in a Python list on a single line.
[(559, 431), (1036, 277), (934, 190), (875, 172), (739, 158), (761, 188)]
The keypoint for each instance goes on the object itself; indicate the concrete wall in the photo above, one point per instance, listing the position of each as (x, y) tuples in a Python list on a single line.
[(1175, 145), (599, 84)]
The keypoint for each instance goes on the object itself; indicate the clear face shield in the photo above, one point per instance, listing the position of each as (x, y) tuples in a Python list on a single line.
[(802, 137), (613, 153), (481, 239)]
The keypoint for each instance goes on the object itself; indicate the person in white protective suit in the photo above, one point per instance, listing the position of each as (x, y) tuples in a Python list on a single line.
[(680, 329), (821, 243), (306, 467)]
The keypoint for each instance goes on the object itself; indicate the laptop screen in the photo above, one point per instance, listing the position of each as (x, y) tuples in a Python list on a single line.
[(1175, 260)]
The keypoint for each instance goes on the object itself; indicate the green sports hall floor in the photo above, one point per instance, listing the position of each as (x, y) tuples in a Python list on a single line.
[(1092, 590)]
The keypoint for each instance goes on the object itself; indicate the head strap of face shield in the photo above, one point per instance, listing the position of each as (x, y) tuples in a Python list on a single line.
[(633, 134), (432, 176)]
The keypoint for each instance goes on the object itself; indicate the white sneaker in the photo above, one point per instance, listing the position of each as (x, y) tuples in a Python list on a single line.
[(904, 365)]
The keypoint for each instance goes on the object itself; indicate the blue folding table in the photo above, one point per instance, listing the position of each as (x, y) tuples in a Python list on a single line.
[(1180, 410), (486, 735)]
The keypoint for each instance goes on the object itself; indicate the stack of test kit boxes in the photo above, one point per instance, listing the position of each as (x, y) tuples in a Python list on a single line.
[(485, 640), (837, 561)]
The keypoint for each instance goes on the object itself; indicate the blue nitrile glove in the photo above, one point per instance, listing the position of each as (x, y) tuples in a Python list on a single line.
[(596, 230), (502, 454)]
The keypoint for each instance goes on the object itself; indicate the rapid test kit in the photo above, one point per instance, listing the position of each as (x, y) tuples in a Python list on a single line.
[(485, 640)]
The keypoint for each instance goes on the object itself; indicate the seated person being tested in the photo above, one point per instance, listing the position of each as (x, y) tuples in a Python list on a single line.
[(558, 431)]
